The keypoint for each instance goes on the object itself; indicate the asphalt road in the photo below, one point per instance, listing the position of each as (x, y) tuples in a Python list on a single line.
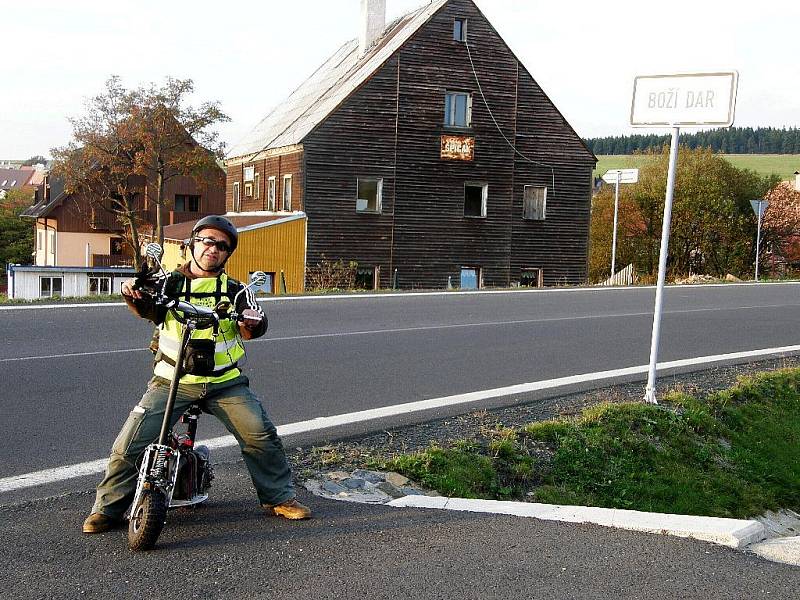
[(70, 375), (230, 550)]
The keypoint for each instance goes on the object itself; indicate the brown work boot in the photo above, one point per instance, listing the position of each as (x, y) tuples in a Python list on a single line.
[(290, 509), (100, 523)]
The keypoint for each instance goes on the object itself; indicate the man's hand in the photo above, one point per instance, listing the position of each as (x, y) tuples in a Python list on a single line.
[(250, 318), (128, 289)]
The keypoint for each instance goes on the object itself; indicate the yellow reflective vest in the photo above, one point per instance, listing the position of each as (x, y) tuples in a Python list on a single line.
[(229, 348)]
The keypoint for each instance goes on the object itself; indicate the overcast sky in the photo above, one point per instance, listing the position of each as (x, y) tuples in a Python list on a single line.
[(250, 55)]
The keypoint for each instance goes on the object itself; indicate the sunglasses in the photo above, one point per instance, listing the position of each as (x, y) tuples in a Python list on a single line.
[(208, 242)]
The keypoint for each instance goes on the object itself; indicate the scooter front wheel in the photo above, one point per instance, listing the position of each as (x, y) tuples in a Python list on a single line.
[(147, 520)]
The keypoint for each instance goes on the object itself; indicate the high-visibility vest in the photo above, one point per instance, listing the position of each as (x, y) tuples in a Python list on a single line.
[(205, 291)]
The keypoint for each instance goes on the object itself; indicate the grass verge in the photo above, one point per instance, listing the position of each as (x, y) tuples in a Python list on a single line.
[(733, 453)]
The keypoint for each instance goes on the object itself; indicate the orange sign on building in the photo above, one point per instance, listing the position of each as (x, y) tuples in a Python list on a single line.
[(455, 147)]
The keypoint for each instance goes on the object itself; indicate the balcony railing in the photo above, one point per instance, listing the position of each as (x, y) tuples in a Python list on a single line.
[(111, 260)]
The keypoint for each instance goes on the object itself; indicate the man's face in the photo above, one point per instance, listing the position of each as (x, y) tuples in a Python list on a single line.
[(206, 253)]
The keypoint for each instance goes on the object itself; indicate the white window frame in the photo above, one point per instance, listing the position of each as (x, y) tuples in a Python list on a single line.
[(99, 291), (463, 22), (528, 213), (40, 233), (237, 198), (362, 204), (256, 186), (271, 185), (484, 198), (52, 279), (248, 189), (249, 173), (450, 116), (286, 197)]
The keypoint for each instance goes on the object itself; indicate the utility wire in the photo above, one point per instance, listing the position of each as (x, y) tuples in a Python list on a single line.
[(509, 142)]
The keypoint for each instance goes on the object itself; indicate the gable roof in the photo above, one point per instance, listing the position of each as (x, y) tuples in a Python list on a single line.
[(14, 179), (319, 95), (43, 206)]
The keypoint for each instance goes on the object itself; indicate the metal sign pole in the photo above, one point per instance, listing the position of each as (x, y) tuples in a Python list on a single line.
[(758, 237), (650, 390), (614, 238)]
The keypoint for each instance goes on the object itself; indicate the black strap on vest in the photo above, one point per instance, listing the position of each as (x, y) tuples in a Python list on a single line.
[(172, 363), (217, 295)]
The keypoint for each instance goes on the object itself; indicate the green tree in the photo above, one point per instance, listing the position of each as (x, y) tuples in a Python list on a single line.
[(16, 234), (33, 160)]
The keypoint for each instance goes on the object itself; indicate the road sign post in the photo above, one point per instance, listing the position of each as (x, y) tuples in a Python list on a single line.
[(759, 207), (617, 176), (694, 100)]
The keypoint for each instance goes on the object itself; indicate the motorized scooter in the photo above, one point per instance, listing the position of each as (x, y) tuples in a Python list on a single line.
[(173, 471)]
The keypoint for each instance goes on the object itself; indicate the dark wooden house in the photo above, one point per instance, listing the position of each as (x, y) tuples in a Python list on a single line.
[(427, 153)]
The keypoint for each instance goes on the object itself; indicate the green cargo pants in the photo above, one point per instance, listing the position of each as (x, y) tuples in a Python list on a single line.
[(231, 402)]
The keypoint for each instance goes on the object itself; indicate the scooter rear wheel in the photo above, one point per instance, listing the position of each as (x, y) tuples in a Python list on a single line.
[(147, 520)]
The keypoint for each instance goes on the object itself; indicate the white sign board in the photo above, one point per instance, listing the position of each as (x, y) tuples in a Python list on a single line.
[(625, 175), (701, 99), (759, 207)]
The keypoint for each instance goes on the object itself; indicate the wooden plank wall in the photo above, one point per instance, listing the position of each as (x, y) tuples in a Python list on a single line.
[(276, 166), (391, 128)]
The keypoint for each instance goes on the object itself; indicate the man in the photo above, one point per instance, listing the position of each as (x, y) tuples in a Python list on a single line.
[(225, 393)]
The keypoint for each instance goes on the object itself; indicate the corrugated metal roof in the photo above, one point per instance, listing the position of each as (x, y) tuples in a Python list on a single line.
[(317, 97)]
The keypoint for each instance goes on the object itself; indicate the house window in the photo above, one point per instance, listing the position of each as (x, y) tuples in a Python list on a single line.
[(117, 246), (271, 193), (370, 192), (534, 202), (99, 286), (366, 278), (470, 278), (50, 286), (475, 195), (286, 205), (187, 203), (460, 30), (40, 240), (237, 203), (257, 187), (249, 173), (457, 109), (531, 278), (269, 284), (248, 190)]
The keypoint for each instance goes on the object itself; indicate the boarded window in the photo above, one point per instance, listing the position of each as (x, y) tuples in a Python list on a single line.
[(460, 30), (370, 193), (475, 199), (470, 278), (534, 203), (457, 109)]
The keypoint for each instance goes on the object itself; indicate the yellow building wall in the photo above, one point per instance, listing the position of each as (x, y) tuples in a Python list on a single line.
[(272, 249)]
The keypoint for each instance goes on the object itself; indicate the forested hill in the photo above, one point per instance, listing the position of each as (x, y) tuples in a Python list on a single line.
[(735, 140)]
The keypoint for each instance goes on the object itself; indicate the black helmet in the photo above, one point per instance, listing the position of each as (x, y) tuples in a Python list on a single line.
[(221, 224)]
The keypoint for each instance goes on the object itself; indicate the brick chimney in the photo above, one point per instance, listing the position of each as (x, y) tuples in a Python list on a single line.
[(373, 22)]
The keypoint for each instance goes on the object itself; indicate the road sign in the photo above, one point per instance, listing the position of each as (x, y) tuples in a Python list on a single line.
[(621, 176), (689, 99), (759, 206)]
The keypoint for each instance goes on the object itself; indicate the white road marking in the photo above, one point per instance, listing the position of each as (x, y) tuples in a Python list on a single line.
[(422, 328), (46, 476)]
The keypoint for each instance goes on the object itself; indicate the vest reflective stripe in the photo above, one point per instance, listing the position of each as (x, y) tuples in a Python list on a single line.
[(228, 347)]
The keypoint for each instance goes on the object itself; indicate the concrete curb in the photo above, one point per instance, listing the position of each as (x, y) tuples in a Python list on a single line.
[(734, 533)]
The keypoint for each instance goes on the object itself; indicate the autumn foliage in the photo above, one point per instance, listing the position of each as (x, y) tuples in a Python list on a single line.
[(713, 229)]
